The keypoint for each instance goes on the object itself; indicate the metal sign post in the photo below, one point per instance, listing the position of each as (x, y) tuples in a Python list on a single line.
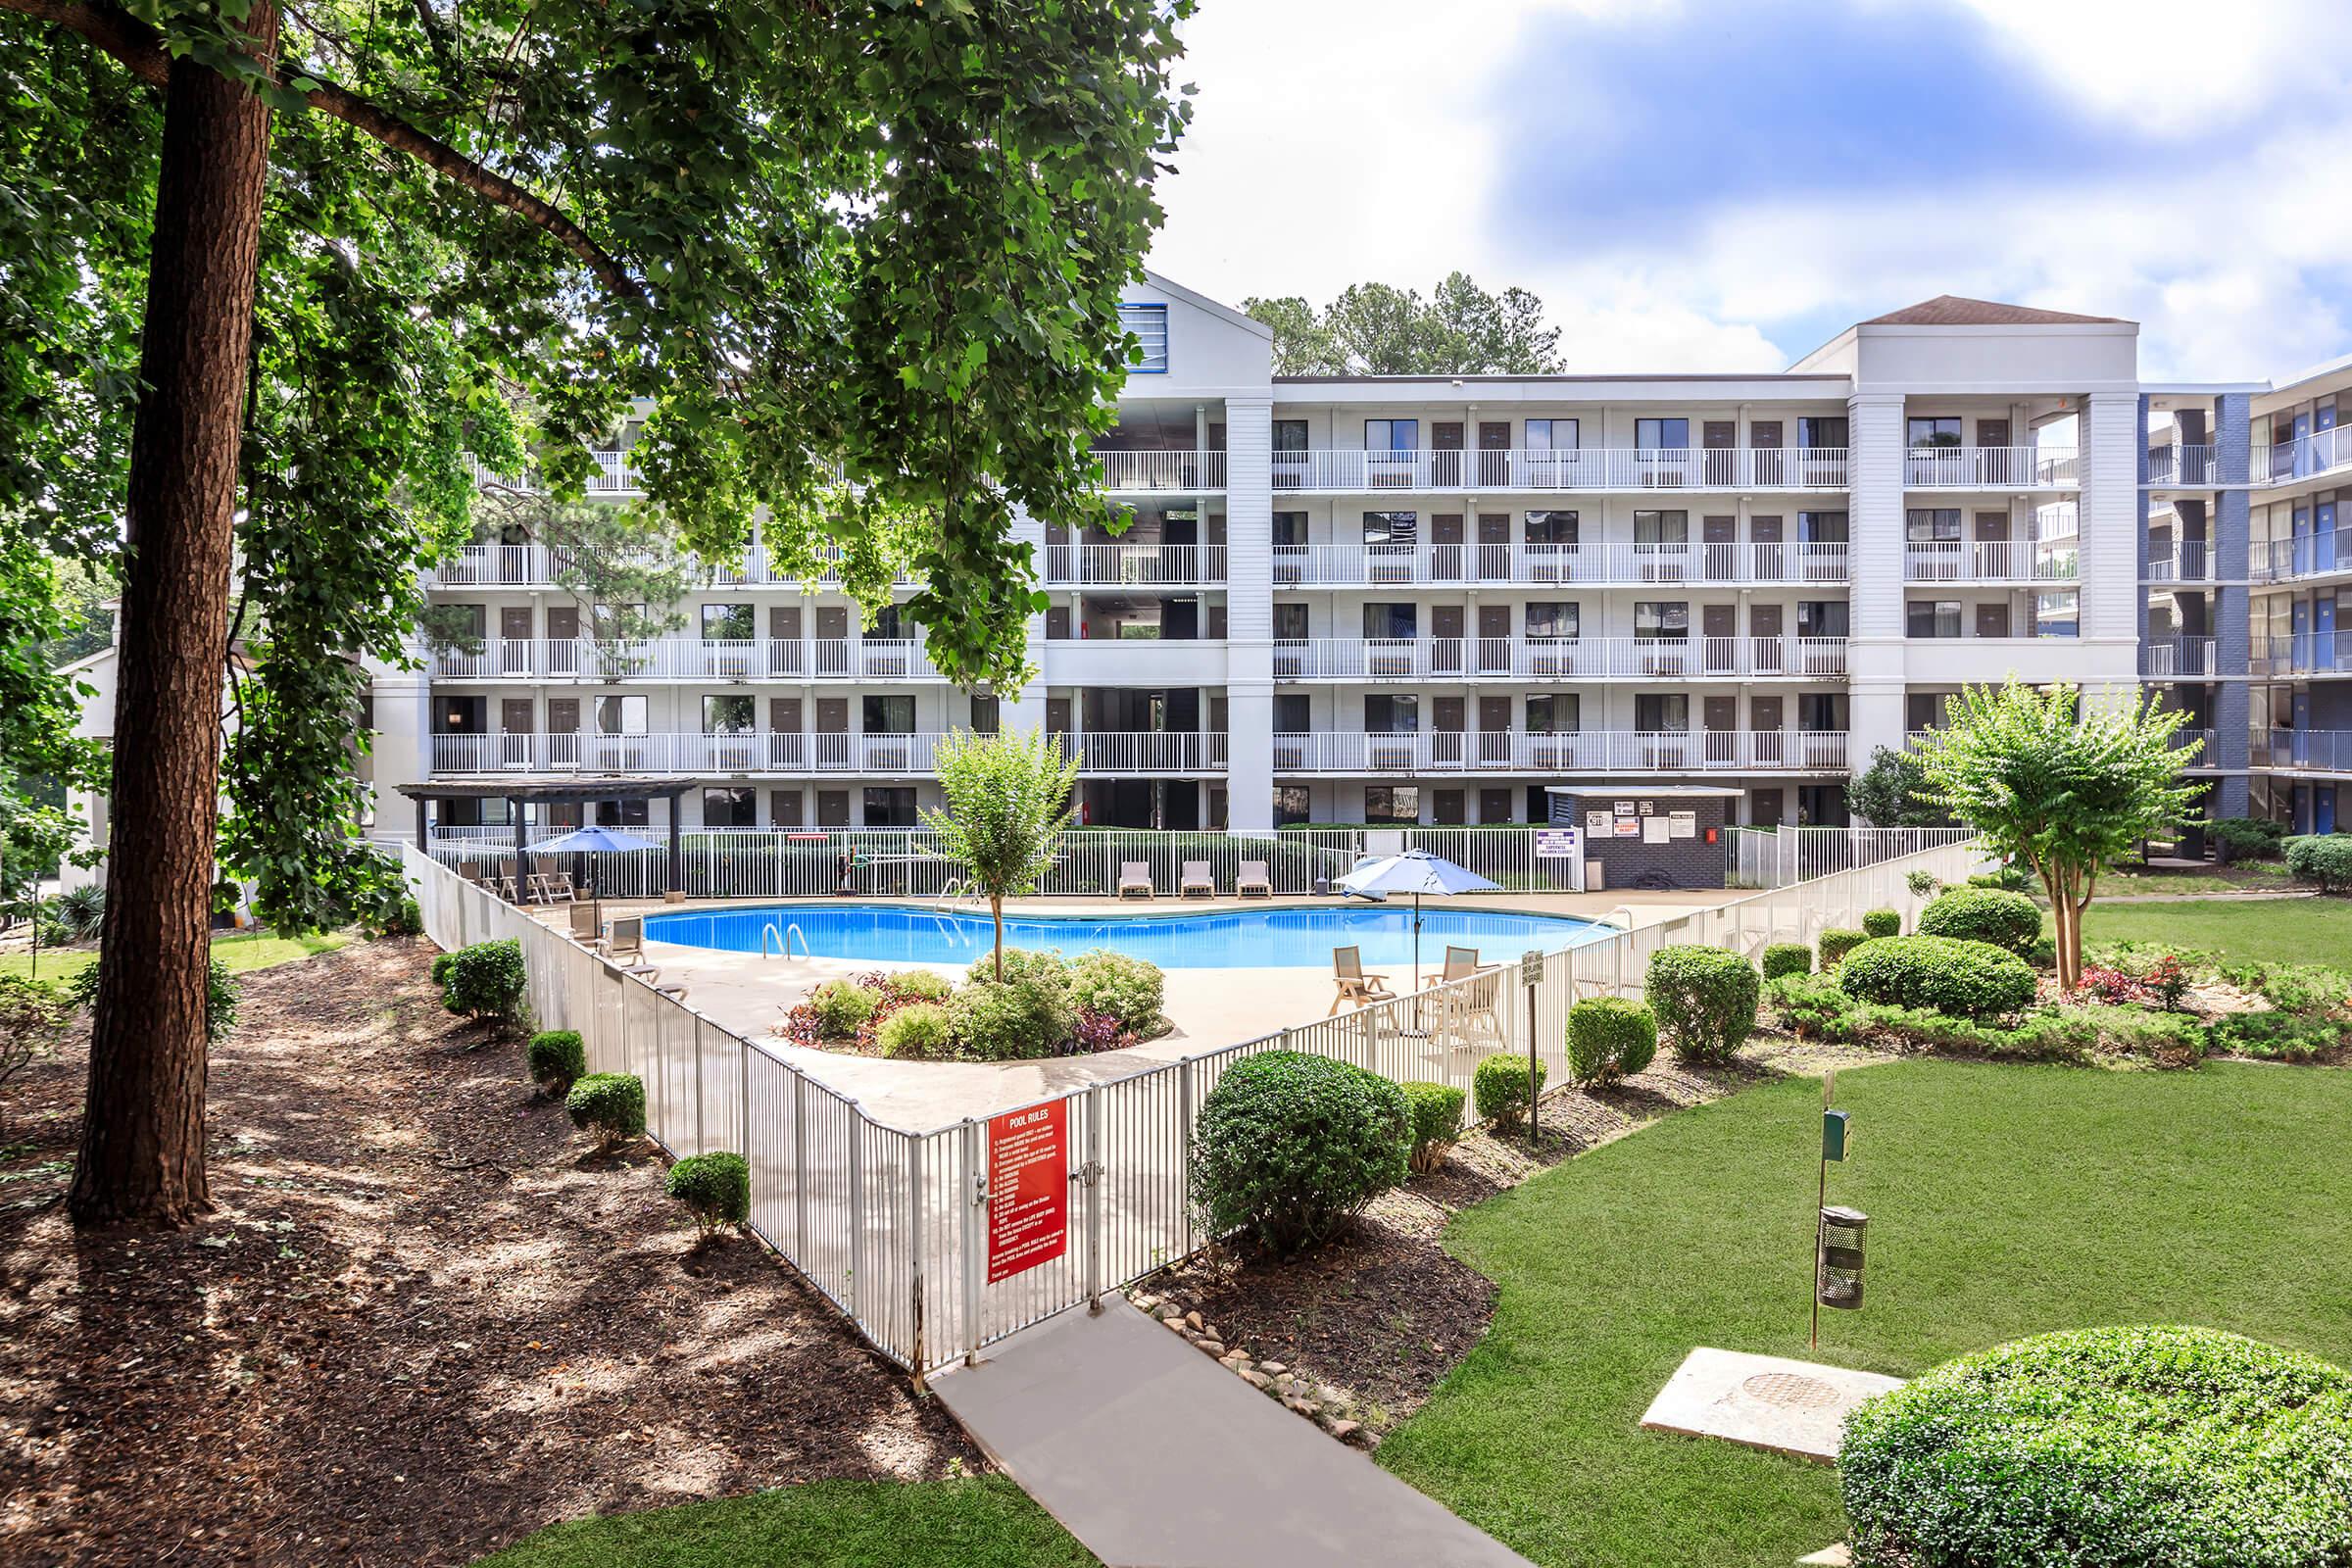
[(1531, 975), (1835, 1126)]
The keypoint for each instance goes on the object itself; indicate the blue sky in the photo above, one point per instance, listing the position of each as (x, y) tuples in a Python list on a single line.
[(1720, 186)]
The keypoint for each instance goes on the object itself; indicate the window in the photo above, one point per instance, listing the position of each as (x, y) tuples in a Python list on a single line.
[(1293, 803), (1820, 617), (1289, 623), (1392, 619), (1931, 432), (890, 806), (734, 806), (886, 626), (1825, 430), (727, 623), (613, 622), (1293, 713), (1392, 802), (729, 716), (1923, 710), (1930, 524), (1557, 715), (1150, 325), (1661, 712), (986, 715), (1392, 435), (1551, 435), (1820, 528), (1662, 435), (1392, 713), (887, 715), (1289, 435), (1552, 527), (620, 716), (1821, 712), (1391, 527), (1551, 617), (1934, 618), (1662, 529), (1662, 619), (1289, 529), (624, 813)]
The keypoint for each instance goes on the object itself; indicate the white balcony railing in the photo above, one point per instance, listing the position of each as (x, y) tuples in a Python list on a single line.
[(1385, 659), (542, 565), (689, 659), (1599, 564), (2180, 466), (2182, 561), (1991, 468), (2302, 652), (2177, 657), (1135, 565), (1985, 560), (1179, 471), (1587, 468), (794, 751), (1147, 750), (2323, 451), (1585, 750), (2318, 751), (2309, 554)]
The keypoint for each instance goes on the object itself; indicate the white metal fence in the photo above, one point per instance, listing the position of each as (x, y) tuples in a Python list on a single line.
[(1778, 858)]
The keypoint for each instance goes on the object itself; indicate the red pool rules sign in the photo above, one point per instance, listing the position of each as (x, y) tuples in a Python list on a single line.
[(1028, 1190)]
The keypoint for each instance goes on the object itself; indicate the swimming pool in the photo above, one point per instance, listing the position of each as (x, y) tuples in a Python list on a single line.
[(1229, 939)]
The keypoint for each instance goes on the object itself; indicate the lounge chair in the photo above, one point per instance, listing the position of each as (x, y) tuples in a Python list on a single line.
[(552, 887), (1471, 1004), (587, 923), (625, 948), (1196, 880), (1135, 880), (1348, 974), (1254, 881), (1461, 963)]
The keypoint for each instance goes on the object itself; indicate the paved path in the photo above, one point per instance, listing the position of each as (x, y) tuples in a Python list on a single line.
[(1157, 1457)]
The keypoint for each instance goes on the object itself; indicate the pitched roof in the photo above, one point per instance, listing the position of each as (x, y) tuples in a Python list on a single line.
[(1951, 309)]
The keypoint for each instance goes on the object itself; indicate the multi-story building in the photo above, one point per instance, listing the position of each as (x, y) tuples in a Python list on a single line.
[(1433, 599)]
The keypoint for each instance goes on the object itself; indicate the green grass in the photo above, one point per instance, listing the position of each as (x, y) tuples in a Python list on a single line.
[(2286, 930), (983, 1523), (252, 950), (2005, 1200)]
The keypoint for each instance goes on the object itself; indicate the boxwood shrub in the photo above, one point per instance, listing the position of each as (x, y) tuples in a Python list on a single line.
[(923, 984), (486, 980), (2248, 838), (1784, 958), (842, 1007), (1119, 986), (558, 1059), (1290, 1147), (716, 1187), (1024, 1018), (2324, 858), (1836, 942), (1021, 963), (2185, 1447), (2009, 920), (1942, 974), (1499, 1085), (918, 1029), (1704, 1000), (612, 1105), (1883, 922), (1611, 1037), (1437, 1116)]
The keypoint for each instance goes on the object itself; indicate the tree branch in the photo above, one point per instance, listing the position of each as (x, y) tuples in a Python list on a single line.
[(140, 48)]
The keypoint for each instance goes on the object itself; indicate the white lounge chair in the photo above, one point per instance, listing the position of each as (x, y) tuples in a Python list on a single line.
[(1196, 881), (1135, 880), (1254, 881)]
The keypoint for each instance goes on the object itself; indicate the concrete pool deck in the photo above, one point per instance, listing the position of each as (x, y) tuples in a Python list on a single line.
[(748, 993)]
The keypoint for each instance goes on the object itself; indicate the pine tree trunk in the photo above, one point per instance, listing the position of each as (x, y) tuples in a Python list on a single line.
[(142, 1137)]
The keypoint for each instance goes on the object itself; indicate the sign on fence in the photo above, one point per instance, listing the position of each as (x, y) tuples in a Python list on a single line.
[(1556, 844), (1028, 1190)]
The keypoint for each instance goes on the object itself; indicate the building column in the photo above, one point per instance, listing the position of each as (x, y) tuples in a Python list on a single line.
[(401, 748), (1249, 614), (1875, 649), (2231, 530)]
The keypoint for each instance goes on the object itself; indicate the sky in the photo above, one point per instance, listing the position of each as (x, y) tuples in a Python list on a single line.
[(1722, 185)]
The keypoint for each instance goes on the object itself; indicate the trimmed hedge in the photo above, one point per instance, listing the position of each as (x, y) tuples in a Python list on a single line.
[(611, 1103), (1436, 1110), (1704, 1000), (1836, 942), (2248, 838), (486, 980), (1611, 1037), (1119, 986), (1784, 958), (842, 1007), (1290, 1147), (2108, 1448), (2323, 858), (1942, 974), (918, 1029), (558, 1059), (1883, 922), (1499, 1085), (2008, 920), (716, 1187)]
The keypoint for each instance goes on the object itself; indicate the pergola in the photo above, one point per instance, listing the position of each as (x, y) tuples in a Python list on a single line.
[(519, 792)]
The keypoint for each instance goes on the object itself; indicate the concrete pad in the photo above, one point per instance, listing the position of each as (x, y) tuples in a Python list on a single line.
[(1762, 1401), (1155, 1456)]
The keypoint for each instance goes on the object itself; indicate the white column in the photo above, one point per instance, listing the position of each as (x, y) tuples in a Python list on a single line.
[(403, 700), (1249, 613), (1875, 553), (2108, 516), (1025, 709)]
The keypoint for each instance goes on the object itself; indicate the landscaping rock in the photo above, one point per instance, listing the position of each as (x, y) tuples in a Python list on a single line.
[(1257, 1380), (1213, 1347), (1272, 1368), (1192, 1320)]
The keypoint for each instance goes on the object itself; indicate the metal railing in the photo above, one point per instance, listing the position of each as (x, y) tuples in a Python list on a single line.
[(2322, 751), (1601, 564), (1135, 565), (800, 752), (2185, 561), (1991, 468), (2308, 457), (1586, 468), (1558, 657), (1585, 750), (1183, 471), (543, 565), (2301, 653), (2305, 555), (2182, 464), (2177, 657), (1985, 560), (669, 659)]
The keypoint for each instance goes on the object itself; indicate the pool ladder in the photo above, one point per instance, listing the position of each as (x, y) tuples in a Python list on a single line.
[(784, 940)]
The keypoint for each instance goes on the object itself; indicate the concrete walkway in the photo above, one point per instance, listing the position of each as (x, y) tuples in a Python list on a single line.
[(1157, 1457)]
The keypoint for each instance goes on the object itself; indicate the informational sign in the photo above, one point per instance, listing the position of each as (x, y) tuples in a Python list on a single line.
[(1682, 824), (1627, 827), (1530, 967), (1556, 844), (1028, 1190), (1596, 823), (1654, 829), (1625, 807)]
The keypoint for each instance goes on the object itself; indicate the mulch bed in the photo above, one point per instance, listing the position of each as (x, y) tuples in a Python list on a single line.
[(420, 1325)]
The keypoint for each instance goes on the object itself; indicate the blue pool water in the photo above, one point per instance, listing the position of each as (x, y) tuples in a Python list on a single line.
[(1237, 939)]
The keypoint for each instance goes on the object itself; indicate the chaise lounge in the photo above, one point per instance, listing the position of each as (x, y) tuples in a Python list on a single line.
[(1135, 880), (1253, 882), (1196, 881)]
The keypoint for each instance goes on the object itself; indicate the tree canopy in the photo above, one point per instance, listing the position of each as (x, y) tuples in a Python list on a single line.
[(1008, 805), (1893, 793), (1380, 330)]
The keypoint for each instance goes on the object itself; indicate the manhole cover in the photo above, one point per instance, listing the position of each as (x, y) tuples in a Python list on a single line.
[(1790, 1391)]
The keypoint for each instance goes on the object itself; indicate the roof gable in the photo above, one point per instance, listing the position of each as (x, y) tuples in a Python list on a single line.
[(1955, 309)]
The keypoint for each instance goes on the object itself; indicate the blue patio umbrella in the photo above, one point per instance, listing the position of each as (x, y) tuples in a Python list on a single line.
[(592, 839), (1415, 871)]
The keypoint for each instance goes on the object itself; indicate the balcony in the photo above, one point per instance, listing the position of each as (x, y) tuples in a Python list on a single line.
[(1563, 659), (2310, 457), (1355, 473), (542, 567), (2177, 658), (2314, 751), (687, 658), (2188, 560), (1985, 560), (798, 753), (1431, 751), (2311, 555), (2182, 467), (2302, 652), (1545, 565), (1137, 565), (1991, 468), (1171, 473)]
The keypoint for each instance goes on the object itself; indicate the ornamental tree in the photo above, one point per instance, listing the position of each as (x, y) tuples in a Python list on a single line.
[(277, 278), (1008, 804), (2060, 790)]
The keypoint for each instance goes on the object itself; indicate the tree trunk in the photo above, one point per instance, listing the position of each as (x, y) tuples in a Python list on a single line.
[(996, 912), (142, 1137)]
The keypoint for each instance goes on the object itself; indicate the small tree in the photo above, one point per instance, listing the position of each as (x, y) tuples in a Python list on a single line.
[(1008, 804), (2059, 790), (1890, 793)]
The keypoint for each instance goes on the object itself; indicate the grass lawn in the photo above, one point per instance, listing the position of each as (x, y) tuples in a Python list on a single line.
[(983, 1523), (2005, 1200), (2283, 930), (251, 949)]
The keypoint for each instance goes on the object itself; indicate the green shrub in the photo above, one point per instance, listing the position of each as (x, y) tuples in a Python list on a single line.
[(1021, 963), (400, 917), (2323, 858), (2107, 1447), (1704, 1000), (1924, 884), (1499, 1085), (1883, 922), (2307, 989), (486, 980), (2007, 920), (79, 914), (1812, 1007), (1786, 958), (842, 1007), (2276, 1036), (611, 1103), (222, 996), (1032, 1017), (922, 985), (1119, 986), (2008, 879), (2044, 954), (1942, 974), (1609, 1037), (1289, 1146), (441, 963), (558, 1058), (918, 1029), (716, 1187), (2248, 838), (1839, 940), (1436, 1110)]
